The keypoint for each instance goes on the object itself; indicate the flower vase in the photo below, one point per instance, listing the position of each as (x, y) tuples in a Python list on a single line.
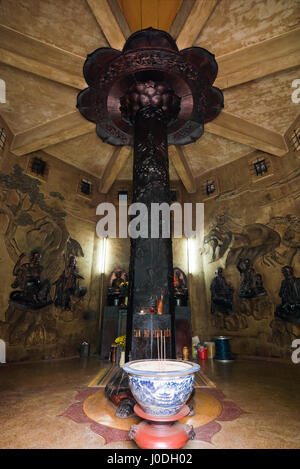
[(122, 358)]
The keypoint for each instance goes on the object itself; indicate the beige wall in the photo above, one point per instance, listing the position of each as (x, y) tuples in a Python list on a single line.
[(239, 204), (250, 210), (52, 216)]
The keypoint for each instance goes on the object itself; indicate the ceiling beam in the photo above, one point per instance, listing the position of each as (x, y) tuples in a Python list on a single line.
[(107, 22), (113, 168), (195, 22), (239, 130), (30, 55), (225, 125), (120, 17), (181, 17), (256, 61), (177, 156), (58, 130)]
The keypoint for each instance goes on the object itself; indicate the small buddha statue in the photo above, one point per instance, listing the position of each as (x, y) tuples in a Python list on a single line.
[(221, 293), (289, 310)]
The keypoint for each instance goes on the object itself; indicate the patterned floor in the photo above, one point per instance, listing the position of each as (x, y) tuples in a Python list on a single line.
[(91, 406)]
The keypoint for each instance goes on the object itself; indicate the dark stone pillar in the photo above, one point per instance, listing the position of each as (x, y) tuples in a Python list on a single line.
[(151, 264)]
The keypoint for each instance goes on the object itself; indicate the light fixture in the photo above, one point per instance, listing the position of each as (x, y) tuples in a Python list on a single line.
[(103, 257), (189, 245)]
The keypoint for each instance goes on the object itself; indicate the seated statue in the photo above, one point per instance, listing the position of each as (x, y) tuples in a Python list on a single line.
[(67, 285), (251, 285), (180, 286), (117, 281), (116, 291), (289, 310), (221, 294), (33, 290)]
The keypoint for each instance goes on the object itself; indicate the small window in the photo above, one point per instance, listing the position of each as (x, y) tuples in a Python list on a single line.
[(173, 195), (295, 139), (86, 187), (2, 139), (210, 187), (38, 166), (260, 167)]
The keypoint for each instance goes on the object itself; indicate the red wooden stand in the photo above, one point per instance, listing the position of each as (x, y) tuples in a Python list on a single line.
[(161, 432)]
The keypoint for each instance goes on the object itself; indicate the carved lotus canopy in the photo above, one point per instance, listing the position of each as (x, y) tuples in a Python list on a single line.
[(150, 55)]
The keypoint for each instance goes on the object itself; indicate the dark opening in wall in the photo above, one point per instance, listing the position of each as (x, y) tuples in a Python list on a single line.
[(260, 167), (38, 166), (173, 195), (210, 187), (295, 139), (2, 139), (86, 187)]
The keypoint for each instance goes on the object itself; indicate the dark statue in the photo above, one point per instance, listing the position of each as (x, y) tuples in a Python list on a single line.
[(118, 391), (33, 290), (116, 291), (180, 287), (289, 310), (67, 285), (116, 284), (221, 294), (251, 285)]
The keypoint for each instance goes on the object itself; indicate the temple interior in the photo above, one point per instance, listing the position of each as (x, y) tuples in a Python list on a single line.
[(67, 292)]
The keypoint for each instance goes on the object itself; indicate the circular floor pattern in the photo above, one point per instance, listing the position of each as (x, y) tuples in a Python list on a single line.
[(99, 409)]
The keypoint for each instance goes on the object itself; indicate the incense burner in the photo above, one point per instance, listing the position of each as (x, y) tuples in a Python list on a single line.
[(161, 387)]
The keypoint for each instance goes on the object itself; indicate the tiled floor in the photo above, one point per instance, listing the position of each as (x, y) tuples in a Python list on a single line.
[(34, 395)]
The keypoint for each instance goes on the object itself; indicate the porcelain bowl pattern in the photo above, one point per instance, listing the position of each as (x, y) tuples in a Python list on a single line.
[(161, 388)]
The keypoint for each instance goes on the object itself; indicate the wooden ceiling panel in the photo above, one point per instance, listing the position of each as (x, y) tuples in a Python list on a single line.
[(69, 24), (235, 24), (266, 101), (142, 14), (86, 152), (41, 112), (212, 151), (167, 10), (32, 100)]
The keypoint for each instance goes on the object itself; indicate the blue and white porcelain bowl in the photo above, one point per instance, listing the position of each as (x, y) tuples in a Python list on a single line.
[(161, 387)]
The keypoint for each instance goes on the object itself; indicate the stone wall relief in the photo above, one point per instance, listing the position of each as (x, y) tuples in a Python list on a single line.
[(223, 312), (33, 291), (251, 283), (67, 285), (286, 323), (228, 240), (270, 246), (46, 290)]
